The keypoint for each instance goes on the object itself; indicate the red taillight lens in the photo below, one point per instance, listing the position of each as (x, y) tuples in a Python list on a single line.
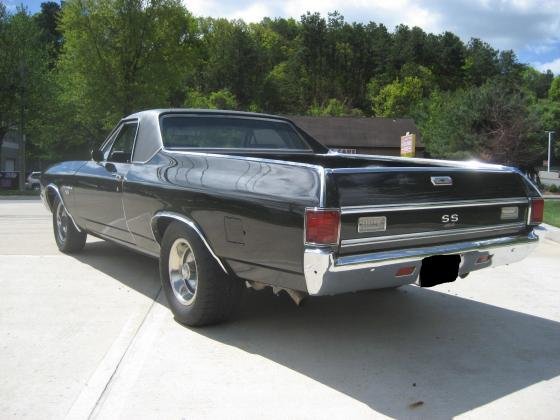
[(537, 211), (322, 226)]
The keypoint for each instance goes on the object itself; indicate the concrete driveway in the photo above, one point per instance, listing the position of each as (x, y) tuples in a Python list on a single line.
[(91, 336)]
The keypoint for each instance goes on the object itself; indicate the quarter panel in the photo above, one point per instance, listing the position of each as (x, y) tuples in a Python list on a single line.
[(268, 198)]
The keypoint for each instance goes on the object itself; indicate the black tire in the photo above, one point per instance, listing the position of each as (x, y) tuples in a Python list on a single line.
[(68, 239), (208, 296)]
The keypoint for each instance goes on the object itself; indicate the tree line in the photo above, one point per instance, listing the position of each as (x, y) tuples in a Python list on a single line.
[(69, 73)]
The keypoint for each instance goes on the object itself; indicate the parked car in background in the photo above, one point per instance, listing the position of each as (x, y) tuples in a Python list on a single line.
[(228, 199), (33, 181)]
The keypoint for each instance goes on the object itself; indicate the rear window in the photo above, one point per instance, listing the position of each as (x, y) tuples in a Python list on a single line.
[(186, 132)]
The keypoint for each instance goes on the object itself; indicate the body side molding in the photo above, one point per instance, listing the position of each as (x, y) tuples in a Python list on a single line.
[(190, 223)]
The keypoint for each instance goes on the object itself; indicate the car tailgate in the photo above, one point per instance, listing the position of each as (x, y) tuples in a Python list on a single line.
[(399, 207)]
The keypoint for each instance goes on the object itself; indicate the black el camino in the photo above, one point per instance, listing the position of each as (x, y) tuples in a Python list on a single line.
[(228, 200)]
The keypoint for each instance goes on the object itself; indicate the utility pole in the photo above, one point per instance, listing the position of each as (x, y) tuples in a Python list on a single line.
[(550, 133), (23, 75)]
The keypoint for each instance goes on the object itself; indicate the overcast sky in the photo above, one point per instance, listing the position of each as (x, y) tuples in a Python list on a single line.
[(530, 27)]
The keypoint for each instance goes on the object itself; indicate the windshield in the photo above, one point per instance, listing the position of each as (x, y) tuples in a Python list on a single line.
[(192, 132)]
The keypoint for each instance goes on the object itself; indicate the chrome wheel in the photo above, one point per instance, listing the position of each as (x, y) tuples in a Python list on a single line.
[(61, 222), (183, 274)]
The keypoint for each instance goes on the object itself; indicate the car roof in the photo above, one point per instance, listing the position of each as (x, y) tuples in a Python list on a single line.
[(161, 111)]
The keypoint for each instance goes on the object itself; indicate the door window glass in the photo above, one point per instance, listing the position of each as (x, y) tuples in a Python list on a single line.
[(121, 151)]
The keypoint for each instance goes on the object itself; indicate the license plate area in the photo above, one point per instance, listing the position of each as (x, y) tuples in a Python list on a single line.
[(439, 269)]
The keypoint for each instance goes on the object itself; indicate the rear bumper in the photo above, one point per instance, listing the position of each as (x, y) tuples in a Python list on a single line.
[(327, 274)]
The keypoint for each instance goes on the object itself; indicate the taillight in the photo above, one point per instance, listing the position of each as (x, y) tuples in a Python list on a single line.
[(537, 211), (322, 227)]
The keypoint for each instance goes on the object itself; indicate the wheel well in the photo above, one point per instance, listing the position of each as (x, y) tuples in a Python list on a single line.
[(161, 224), (50, 195)]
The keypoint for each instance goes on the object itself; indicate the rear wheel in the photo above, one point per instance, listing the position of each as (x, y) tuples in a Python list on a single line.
[(67, 237), (197, 289)]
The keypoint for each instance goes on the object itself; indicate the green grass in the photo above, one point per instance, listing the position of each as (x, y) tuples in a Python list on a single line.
[(552, 212)]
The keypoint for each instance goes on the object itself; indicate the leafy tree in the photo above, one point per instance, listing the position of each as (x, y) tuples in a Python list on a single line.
[(230, 59), (536, 82), (554, 91), (481, 62), (282, 89), (120, 56), (488, 122), (24, 81), (449, 60), (398, 98), (333, 108), (47, 21)]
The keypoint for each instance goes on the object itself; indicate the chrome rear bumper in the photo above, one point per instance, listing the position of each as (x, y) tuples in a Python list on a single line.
[(327, 274)]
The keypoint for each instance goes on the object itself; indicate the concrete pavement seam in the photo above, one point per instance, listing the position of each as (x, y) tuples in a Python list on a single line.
[(85, 406), (124, 353)]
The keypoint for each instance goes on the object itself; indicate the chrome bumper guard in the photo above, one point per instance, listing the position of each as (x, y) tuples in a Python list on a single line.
[(328, 274)]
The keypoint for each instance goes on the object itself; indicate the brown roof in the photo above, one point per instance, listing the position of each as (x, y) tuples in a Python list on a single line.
[(358, 131)]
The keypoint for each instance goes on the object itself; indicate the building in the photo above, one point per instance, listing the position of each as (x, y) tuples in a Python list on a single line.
[(375, 136), (9, 152)]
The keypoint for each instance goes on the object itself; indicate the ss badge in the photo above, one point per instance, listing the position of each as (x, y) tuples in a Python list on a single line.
[(450, 218)]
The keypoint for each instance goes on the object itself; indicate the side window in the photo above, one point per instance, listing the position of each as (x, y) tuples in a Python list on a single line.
[(121, 150)]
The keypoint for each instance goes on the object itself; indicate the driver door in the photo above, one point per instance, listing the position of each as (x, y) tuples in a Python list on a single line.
[(99, 186)]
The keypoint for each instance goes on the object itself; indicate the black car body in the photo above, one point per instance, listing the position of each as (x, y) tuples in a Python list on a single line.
[(272, 206)]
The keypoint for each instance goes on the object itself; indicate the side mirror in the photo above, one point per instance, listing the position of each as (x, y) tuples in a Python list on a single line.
[(97, 155)]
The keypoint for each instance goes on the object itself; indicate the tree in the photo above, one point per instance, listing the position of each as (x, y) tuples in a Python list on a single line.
[(24, 82), (536, 82), (47, 21), (449, 60), (481, 62), (221, 99), (398, 98), (554, 91), (120, 56), (489, 122), (333, 108)]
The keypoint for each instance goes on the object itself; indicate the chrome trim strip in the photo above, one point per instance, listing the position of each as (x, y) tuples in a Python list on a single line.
[(426, 169), (449, 164), (191, 224), (323, 192), (429, 234), (433, 205), (56, 190), (125, 244)]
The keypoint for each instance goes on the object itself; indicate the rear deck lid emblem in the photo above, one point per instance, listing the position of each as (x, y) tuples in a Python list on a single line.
[(372, 224), (439, 181)]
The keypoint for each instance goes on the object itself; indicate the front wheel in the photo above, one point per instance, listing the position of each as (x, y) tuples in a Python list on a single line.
[(68, 238), (197, 289)]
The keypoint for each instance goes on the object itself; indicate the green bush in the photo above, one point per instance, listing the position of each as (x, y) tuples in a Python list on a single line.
[(553, 188)]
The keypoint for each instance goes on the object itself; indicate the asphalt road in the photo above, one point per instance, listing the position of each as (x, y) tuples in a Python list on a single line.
[(90, 336)]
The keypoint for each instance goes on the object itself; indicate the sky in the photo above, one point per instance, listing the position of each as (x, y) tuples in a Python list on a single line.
[(529, 27)]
